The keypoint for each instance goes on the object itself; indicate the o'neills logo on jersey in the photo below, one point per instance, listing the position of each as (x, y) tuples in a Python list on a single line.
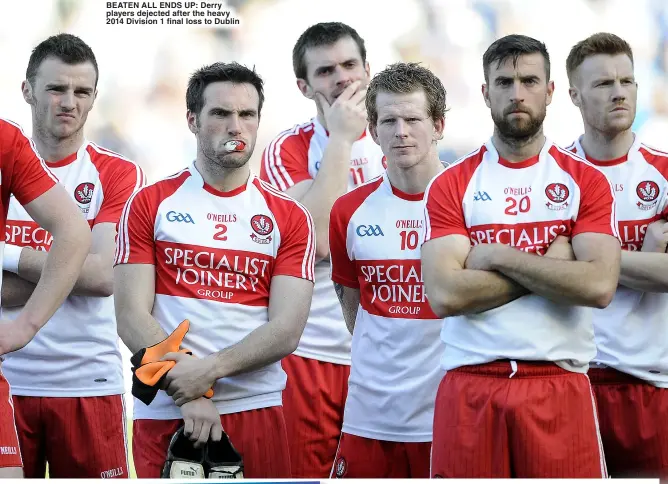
[(198, 272), (557, 194), (632, 233), (648, 193), (393, 289), (530, 237), (27, 234), (262, 225)]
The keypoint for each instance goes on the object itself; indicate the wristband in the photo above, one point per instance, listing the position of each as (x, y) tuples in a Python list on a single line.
[(11, 257)]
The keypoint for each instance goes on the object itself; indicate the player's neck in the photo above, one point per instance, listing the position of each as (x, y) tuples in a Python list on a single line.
[(52, 150), (321, 119), (515, 150), (604, 147), (416, 178), (222, 179)]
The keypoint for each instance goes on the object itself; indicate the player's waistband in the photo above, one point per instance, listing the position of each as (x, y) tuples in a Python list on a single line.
[(610, 375), (514, 369)]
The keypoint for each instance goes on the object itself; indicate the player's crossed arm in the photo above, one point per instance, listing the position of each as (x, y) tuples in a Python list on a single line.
[(647, 270), (453, 288), (349, 297)]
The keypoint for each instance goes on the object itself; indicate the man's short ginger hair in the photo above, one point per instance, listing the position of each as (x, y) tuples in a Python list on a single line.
[(601, 43)]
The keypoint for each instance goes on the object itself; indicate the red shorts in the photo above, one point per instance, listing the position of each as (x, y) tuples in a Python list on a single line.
[(362, 458), (10, 453), (258, 435), (540, 423), (80, 437), (634, 424), (314, 398)]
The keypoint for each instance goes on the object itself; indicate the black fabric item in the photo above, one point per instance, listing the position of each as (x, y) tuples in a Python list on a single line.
[(182, 453), (222, 461)]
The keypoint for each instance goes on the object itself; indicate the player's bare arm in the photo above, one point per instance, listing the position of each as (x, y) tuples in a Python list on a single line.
[(134, 293), (289, 304), (453, 289), (96, 277), (15, 290), (647, 270), (349, 297), (591, 280), (55, 212), (346, 120)]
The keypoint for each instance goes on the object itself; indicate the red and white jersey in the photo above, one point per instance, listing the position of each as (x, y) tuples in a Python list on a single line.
[(632, 332), (294, 156), (525, 205), (215, 254), (374, 246), (76, 354), (23, 173)]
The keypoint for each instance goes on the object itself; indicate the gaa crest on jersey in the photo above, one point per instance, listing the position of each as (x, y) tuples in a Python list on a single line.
[(83, 194), (648, 193), (557, 196), (261, 225), (340, 467)]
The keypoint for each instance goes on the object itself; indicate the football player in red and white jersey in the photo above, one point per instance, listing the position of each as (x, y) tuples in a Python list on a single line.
[(630, 371), (24, 175), (216, 245), (516, 400), (374, 247), (68, 382), (316, 163)]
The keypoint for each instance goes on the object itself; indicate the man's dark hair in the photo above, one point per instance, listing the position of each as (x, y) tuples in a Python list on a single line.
[(67, 47), (600, 43), (220, 72), (512, 47), (326, 33), (404, 78)]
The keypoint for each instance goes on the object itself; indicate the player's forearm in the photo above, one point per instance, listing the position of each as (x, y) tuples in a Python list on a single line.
[(468, 291), (71, 243), (329, 184), (15, 290), (137, 329), (95, 278), (576, 283), (267, 344), (349, 298), (644, 271)]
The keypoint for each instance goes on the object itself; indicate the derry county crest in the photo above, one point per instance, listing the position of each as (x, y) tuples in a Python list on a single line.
[(648, 193), (557, 195), (261, 225)]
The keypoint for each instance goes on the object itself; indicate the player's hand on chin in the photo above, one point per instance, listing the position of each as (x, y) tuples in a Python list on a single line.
[(14, 335), (560, 248), (201, 421), (481, 256), (189, 379), (656, 237)]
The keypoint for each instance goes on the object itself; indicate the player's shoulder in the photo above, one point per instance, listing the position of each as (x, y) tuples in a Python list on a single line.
[(573, 164), (163, 188), (358, 195), (9, 131), (104, 157), (298, 135), (461, 169), (277, 201), (656, 157)]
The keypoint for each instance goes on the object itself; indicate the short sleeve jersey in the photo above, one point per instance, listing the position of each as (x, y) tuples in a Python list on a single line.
[(631, 333), (374, 246), (100, 182), (215, 254), (525, 205), (294, 156)]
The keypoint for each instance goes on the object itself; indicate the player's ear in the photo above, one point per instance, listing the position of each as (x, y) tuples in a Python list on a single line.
[(485, 95), (439, 127), (574, 94), (306, 90), (193, 124), (26, 89), (550, 92)]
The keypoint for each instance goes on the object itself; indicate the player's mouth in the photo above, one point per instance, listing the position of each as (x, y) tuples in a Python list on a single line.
[(619, 108), (234, 145), (65, 116)]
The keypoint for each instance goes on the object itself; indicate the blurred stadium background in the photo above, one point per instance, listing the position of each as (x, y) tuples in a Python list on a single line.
[(140, 109)]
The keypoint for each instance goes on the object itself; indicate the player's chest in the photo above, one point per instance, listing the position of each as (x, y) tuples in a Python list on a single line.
[(640, 198), (237, 224), (366, 161), (387, 231)]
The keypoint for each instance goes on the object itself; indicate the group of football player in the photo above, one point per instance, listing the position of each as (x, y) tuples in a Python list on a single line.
[(360, 309)]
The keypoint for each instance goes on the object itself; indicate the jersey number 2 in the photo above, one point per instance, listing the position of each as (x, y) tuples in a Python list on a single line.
[(220, 235)]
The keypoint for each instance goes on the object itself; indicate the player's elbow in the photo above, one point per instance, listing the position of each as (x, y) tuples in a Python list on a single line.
[(321, 249), (102, 286), (445, 305), (602, 294)]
